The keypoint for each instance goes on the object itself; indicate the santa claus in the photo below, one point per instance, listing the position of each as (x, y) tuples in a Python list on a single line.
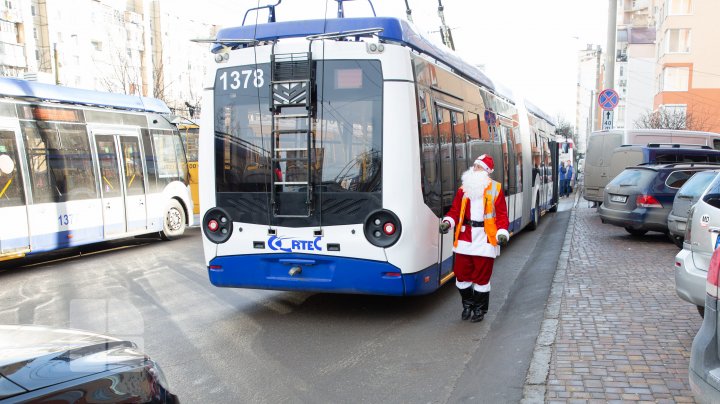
[(479, 218)]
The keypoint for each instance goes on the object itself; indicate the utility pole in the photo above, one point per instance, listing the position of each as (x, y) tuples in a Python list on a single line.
[(445, 33), (610, 55), (598, 83)]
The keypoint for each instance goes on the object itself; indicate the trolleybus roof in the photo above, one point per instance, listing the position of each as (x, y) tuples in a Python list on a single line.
[(30, 90), (393, 29)]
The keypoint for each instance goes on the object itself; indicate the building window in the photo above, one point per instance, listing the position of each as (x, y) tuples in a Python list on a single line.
[(677, 40), (674, 109), (675, 79), (97, 45), (678, 7)]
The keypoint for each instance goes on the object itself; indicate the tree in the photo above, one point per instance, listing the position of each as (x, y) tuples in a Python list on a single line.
[(565, 129), (665, 118)]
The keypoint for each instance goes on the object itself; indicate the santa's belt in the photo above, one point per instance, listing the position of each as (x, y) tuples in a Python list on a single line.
[(473, 223)]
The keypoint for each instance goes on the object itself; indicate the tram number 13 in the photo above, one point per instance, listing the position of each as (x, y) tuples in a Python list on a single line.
[(64, 220), (238, 79)]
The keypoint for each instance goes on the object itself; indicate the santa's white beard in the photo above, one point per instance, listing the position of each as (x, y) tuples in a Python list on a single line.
[(475, 182)]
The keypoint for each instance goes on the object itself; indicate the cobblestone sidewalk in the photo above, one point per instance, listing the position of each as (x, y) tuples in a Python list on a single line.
[(623, 335)]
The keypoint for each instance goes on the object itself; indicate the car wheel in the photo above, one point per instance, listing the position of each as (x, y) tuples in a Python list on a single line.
[(174, 221), (701, 310), (677, 240), (635, 232)]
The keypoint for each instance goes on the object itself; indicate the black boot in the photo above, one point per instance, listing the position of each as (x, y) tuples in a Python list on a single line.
[(482, 301), (467, 302)]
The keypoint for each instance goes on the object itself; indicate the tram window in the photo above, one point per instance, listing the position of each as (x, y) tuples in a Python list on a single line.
[(150, 166), (108, 163), (515, 133), (60, 162), (351, 125), (459, 136), (132, 165), (167, 158), (11, 182), (447, 165), (429, 153), (473, 127)]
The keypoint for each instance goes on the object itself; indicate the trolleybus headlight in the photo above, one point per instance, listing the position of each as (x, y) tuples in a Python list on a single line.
[(382, 228), (217, 225)]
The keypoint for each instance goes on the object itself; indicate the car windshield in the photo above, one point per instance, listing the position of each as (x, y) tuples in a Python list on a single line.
[(632, 177), (697, 183)]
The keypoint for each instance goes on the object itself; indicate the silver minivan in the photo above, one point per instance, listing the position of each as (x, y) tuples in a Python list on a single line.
[(701, 239)]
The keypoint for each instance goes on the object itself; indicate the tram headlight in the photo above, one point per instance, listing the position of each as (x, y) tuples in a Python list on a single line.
[(382, 228), (217, 225)]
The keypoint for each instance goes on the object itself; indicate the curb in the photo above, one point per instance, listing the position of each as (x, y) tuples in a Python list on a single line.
[(536, 380)]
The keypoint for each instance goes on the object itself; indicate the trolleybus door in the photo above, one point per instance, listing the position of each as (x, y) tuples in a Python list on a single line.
[(134, 183), (510, 174), (448, 183), (121, 167), (113, 203), (14, 231)]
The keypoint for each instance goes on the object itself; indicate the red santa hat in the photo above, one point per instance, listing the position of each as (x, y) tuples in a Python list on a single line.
[(486, 163)]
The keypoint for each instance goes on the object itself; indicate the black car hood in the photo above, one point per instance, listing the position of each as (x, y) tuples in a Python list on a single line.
[(33, 357)]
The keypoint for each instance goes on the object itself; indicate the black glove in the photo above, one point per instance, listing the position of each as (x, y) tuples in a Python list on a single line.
[(444, 227), (503, 240)]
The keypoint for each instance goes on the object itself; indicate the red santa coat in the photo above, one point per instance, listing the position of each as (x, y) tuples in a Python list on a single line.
[(474, 240)]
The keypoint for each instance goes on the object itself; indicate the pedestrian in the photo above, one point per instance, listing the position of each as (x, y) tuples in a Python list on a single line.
[(561, 179), (568, 178), (479, 217)]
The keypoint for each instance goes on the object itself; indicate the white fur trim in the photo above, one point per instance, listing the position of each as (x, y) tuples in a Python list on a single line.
[(481, 288), (449, 220), (502, 231), (482, 164), (462, 285)]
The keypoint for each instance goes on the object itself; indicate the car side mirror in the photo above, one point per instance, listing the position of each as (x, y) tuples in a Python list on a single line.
[(712, 200)]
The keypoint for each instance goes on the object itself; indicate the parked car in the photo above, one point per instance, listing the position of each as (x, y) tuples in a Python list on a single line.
[(685, 198), (600, 167), (640, 198), (704, 354), (41, 364), (701, 238)]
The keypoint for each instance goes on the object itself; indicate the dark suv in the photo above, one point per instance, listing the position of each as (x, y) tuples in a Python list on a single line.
[(640, 198)]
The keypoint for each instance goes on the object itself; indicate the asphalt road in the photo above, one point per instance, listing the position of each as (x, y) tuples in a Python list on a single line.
[(239, 345)]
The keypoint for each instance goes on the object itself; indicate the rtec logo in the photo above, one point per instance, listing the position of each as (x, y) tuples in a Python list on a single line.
[(281, 244)]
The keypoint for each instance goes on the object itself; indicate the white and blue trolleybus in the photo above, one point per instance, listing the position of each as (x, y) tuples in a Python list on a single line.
[(80, 167), (330, 149)]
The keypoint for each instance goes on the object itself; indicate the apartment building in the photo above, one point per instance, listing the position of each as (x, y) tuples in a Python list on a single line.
[(687, 73), (138, 47), (634, 62)]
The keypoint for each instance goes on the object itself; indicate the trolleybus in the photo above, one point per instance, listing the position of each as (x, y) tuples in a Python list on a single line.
[(79, 167), (332, 148)]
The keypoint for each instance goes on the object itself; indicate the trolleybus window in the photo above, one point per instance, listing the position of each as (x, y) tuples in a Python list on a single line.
[(346, 142), (11, 186), (429, 153), (60, 162)]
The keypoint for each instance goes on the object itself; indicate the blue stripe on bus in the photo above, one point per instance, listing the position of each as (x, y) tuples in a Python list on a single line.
[(323, 274), (13, 243), (67, 238)]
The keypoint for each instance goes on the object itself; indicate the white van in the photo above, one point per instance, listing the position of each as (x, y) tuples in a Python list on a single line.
[(599, 168)]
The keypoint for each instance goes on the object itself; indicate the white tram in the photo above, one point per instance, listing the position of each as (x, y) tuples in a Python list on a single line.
[(80, 167), (330, 149)]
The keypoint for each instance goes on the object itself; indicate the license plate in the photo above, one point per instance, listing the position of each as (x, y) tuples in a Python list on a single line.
[(681, 226), (618, 198)]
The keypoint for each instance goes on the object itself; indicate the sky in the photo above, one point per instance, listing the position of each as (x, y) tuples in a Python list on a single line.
[(530, 46)]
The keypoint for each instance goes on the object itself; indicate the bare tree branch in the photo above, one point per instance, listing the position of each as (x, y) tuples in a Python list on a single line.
[(665, 118)]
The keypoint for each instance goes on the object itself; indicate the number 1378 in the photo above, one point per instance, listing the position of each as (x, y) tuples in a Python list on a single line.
[(240, 79)]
